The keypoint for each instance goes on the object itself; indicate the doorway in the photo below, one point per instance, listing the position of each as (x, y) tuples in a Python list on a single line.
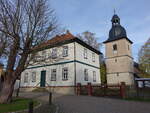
[(43, 77)]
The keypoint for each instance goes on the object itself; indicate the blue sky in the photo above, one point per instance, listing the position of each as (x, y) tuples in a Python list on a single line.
[(95, 15)]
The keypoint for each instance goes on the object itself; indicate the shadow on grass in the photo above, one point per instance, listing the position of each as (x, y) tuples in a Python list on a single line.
[(17, 104)]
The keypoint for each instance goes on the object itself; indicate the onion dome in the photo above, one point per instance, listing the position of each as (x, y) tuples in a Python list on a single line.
[(117, 31)]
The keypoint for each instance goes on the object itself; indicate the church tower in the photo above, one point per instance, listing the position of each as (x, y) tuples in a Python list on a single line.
[(119, 61)]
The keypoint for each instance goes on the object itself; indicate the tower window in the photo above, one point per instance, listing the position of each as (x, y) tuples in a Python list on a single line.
[(128, 47), (115, 48)]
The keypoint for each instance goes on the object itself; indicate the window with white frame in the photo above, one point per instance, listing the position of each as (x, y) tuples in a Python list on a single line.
[(94, 76), (43, 55), (54, 53), (26, 78), (85, 53), (33, 76), (85, 74), (35, 59), (65, 73), (65, 51), (93, 57), (53, 74)]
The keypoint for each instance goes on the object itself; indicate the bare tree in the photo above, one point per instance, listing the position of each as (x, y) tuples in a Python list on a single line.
[(25, 24), (144, 58), (90, 39), (4, 44)]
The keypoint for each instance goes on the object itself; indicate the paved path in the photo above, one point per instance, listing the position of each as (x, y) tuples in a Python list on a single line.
[(85, 104), (43, 97)]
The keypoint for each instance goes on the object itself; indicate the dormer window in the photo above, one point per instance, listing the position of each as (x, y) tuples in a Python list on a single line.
[(115, 48)]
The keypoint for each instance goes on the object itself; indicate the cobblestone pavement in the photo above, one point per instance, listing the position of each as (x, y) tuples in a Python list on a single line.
[(85, 104)]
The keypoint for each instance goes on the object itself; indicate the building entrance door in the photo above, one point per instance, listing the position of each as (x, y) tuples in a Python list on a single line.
[(43, 77)]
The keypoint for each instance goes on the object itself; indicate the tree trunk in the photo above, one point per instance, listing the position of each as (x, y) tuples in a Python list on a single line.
[(7, 91)]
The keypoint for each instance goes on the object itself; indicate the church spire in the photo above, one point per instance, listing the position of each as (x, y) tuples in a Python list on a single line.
[(115, 19), (117, 31)]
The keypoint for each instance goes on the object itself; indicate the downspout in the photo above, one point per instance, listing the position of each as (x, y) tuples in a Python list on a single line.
[(74, 67)]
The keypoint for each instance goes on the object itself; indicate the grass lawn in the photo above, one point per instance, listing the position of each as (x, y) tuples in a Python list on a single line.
[(16, 105)]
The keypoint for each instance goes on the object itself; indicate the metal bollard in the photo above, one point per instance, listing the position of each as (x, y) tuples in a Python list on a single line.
[(50, 98), (30, 110)]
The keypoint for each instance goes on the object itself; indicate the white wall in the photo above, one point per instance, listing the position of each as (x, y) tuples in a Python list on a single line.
[(80, 56), (60, 58), (79, 67), (80, 74), (58, 82)]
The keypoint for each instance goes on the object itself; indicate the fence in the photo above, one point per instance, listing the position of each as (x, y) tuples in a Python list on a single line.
[(143, 87), (118, 91)]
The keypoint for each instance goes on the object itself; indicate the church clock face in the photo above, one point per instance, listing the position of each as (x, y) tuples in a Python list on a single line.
[(117, 31)]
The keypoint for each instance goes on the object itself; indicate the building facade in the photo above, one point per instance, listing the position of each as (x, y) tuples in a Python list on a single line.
[(62, 62), (118, 52)]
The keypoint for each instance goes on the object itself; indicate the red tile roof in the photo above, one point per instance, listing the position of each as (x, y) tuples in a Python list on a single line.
[(60, 39), (55, 40)]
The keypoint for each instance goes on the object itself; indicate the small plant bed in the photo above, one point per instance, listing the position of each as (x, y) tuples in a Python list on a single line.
[(17, 104), (138, 99)]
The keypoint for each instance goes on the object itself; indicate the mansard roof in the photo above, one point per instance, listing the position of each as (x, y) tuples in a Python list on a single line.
[(59, 40)]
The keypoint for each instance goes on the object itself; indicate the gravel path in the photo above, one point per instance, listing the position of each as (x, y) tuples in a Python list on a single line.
[(85, 104)]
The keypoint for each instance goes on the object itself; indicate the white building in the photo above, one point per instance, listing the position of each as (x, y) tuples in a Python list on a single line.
[(63, 62)]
